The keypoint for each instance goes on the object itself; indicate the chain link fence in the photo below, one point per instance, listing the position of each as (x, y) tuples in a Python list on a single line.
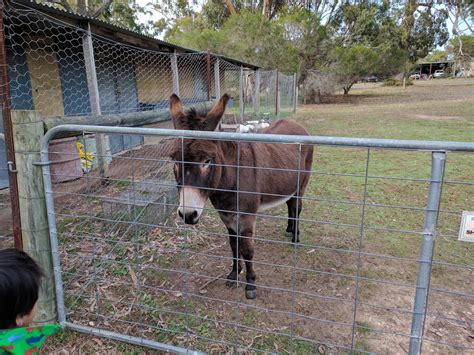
[(54, 69), (69, 67)]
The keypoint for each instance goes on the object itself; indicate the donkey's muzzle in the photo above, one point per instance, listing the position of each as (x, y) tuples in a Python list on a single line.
[(191, 204), (189, 218)]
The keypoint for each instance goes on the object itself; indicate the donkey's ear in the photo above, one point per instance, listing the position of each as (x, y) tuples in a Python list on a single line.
[(177, 114), (215, 114)]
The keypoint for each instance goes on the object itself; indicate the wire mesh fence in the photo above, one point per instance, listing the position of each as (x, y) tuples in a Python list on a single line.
[(57, 67), (130, 265), (64, 65)]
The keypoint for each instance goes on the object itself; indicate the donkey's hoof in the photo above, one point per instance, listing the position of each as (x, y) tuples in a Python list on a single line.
[(289, 234), (251, 294), (231, 283)]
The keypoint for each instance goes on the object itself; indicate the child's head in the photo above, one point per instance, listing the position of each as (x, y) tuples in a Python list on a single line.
[(20, 279)]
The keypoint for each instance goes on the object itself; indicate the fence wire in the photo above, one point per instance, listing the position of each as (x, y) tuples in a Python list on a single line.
[(131, 266), (61, 65)]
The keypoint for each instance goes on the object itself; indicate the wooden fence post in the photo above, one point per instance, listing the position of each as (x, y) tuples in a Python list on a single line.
[(241, 93), (217, 79), (256, 100), (277, 96), (295, 93), (27, 132), (93, 87), (174, 70)]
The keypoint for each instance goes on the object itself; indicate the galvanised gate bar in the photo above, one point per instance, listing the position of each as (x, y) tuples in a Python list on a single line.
[(379, 266)]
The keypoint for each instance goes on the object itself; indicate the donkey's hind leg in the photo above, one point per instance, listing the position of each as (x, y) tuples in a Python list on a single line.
[(294, 209)]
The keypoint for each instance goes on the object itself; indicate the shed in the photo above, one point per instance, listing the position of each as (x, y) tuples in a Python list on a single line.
[(45, 55)]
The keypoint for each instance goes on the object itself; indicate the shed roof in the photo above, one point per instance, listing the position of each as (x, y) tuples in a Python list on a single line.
[(436, 63), (55, 11)]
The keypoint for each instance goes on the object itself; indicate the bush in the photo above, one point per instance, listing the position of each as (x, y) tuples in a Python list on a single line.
[(394, 82)]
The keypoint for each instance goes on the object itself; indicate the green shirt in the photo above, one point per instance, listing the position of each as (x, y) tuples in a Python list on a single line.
[(25, 340)]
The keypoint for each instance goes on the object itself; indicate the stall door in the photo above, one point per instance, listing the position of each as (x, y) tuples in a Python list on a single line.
[(118, 94)]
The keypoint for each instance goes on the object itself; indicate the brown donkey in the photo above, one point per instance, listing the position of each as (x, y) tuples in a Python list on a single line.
[(240, 179)]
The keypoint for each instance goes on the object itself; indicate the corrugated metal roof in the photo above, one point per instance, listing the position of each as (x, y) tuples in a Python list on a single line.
[(53, 10)]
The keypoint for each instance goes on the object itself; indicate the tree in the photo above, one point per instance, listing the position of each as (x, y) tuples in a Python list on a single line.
[(350, 64), (461, 49), (463, 45), (245, 36), (366, 41), (423, 27), (124, 13), (436, 56)]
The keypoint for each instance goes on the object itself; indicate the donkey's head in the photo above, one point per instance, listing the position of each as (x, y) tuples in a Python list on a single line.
[(198, 163)]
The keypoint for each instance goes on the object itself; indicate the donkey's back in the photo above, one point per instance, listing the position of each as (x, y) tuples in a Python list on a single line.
[(288, 127)]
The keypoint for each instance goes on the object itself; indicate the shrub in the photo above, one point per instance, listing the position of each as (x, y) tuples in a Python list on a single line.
[(394, 82)]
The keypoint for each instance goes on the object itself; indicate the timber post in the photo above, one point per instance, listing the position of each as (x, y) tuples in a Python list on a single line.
[(175, 73), (241, 94), (256, 100), (93, 86), (217, 78), (27, 132)]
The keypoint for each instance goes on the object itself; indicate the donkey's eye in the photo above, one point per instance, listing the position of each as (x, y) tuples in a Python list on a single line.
[(207, 163)]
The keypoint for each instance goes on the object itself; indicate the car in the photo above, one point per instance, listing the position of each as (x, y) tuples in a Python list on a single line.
[(438, 73), (415, 76), (370, 79)]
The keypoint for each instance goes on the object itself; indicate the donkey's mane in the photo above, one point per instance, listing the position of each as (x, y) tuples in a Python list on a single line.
[(194, 117)]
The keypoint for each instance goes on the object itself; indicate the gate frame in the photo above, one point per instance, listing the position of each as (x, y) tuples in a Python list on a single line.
[(439, 150)]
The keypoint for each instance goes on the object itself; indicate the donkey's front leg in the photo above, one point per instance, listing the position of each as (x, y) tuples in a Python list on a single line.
[(246, 244), (236, 264)]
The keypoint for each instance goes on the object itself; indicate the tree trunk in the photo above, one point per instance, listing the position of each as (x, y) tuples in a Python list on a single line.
[(409, 19), (81, 7), (347, 88), (266, 11), (231, 7)]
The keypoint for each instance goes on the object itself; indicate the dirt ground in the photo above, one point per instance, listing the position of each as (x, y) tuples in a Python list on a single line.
[(338, 290)]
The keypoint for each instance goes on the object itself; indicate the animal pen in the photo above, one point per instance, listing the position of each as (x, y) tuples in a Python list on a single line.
[(377, 269), (70, 68)]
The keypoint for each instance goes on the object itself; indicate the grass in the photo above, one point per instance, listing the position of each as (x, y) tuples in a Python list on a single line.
[(435, 110)]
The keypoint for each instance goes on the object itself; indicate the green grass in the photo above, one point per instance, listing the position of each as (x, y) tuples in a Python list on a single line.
[(393, 112)]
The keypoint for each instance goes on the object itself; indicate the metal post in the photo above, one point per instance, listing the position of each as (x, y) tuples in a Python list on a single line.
[(8, 134), (426, 252), (88, 49), (295, 93), (208, 58), (241, 101), (174, 70), (256, 95), (277, 97), (217, 78)]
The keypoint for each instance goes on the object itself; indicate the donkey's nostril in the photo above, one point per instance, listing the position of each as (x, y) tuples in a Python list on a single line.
[(180, 214), (194, 215)]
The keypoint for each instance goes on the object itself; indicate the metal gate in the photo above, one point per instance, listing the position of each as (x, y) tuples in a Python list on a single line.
[(379, 266)]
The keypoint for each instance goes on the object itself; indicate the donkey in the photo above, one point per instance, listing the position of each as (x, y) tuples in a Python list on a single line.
[(241, 179)]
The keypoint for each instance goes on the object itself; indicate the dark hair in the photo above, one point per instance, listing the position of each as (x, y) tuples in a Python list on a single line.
[(20, 280)]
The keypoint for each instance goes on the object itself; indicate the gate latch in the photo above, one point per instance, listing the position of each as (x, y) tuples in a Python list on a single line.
[(10, 167)]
